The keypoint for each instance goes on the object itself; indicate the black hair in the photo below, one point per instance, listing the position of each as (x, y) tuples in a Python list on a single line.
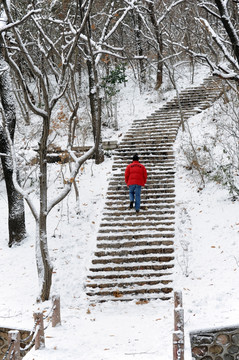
[(135, 157)]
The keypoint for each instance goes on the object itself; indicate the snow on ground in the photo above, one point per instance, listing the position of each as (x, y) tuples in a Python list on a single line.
[(206, 266)]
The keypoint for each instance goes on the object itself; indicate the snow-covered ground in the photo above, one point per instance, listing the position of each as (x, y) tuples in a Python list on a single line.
[(206, 264)]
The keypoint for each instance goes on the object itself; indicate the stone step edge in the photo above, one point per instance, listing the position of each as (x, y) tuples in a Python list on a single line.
[(132, 251), (161, 258), (133, 268), (140, 299), (142, 290), (126, 274), (128, 284), (131, 243), (114, 231), (120, 224), (117, 237)]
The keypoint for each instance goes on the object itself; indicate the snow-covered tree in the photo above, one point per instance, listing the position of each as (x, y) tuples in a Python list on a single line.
[(49, 61), (219, 19)]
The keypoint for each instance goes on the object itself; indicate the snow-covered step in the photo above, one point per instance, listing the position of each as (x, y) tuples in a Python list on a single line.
[(133, 259), (106, 226), (135, 236), (165, 149), (134, 143), (164, 144), (144, 208), (119, 230), (152, 156), (135, 217), (161, 188), (145, 197), (152, 128), (146, 191), (146, 148), (129, 279), (103, 277), (152, 182), (129, 252), (149, 131), (160, 172), (139, 283), (133, 267), (167, 219), (122, 296), (134, 244)]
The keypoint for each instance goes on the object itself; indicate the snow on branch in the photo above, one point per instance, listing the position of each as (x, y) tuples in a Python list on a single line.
[(219, 42), (74, 172), (24, 193), (110, 53), (176, 3), (20, 77), (217, 70), (77, 35), (121, 18), (230, 29), (46, 38), (205, 7), (3, 21)]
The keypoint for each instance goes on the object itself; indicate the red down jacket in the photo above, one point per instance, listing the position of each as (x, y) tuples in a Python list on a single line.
[(135, 174)]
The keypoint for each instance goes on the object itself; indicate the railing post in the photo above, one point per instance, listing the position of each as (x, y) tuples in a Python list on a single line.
[(178, 334), (14, 338), (56, 314), (39, 339)]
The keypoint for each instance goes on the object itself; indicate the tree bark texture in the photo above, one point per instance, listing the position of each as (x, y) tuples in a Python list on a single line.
[(16, 217)]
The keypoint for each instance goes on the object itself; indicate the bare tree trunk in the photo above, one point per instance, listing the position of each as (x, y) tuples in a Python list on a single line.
[(95, 106), (95, 102), (139, 49), (231, 32), (158, 35), (16, 217), (46, 265)]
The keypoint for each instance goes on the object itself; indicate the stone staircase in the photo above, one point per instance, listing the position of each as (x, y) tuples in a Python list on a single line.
[(134, 255)]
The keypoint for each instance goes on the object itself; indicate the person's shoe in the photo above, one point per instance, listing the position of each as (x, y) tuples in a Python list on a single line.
[(137, 211), (131, 204)]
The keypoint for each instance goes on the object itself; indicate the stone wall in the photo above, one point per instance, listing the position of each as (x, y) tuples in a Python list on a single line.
[(4, 340), (215, 344)]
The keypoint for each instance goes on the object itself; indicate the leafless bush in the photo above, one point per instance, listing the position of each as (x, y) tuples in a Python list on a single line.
[(212, 153)]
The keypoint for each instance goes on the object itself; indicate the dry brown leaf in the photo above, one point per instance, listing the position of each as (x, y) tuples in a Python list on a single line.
[(142, 302), (117, 294)]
